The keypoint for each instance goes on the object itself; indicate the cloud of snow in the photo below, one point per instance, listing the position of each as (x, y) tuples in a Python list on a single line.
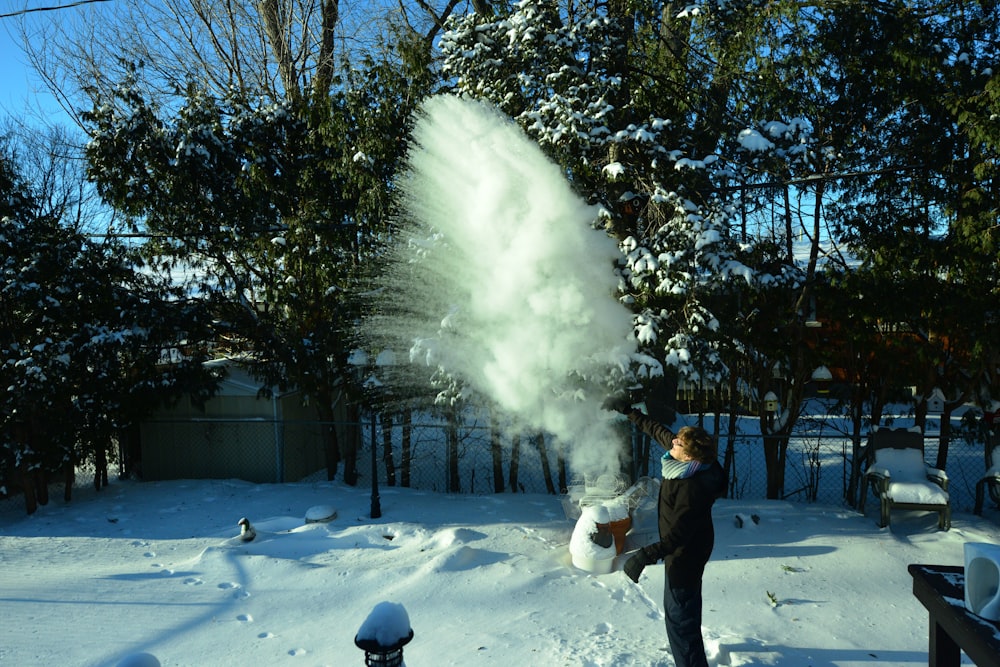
[(505, 283)]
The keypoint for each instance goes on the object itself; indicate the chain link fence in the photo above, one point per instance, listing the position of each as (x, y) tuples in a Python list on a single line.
[(818, 468), (434, 457)]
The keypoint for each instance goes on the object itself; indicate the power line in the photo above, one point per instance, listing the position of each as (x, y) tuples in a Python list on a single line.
[(29, 10), (806, 180)]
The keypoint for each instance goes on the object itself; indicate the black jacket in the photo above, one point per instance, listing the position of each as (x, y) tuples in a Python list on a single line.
[(687, 535)]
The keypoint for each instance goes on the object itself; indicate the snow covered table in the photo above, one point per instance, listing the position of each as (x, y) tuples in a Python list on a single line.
[(953, 628)]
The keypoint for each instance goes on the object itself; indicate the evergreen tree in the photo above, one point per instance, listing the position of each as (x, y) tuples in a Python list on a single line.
[(82, 334), (704, 128), (274, 209)]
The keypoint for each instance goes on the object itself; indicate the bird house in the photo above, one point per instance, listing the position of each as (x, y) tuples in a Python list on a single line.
[(935, 401)]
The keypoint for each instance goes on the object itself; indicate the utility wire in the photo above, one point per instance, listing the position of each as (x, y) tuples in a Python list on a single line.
[(28, 10)]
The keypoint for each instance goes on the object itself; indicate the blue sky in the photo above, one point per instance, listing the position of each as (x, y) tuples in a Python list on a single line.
[(21, 91), (16, 77)]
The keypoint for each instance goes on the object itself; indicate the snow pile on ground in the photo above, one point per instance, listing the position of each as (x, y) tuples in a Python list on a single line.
[(157, 568)]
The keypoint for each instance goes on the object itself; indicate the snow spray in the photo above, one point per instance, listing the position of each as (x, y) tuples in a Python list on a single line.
[(502, 279)]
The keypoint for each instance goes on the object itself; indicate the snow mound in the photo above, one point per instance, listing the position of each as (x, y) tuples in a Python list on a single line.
[(452, 536), (139, 660), (463, 558), (321, 514)]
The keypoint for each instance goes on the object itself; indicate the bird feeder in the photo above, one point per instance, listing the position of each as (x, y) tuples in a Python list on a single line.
[(823, 378), (770, 402)]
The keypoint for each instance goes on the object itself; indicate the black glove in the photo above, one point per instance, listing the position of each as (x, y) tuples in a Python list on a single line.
[(620, 404), (603, 537), (636, 564)]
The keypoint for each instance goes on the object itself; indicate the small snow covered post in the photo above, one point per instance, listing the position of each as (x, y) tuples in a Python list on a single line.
[(592, 546), (384, 634)]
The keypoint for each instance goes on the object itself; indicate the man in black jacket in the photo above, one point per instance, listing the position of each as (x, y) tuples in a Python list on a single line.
[(692, 480)]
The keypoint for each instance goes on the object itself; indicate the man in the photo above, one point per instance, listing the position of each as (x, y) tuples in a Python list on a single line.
[(692, 480)]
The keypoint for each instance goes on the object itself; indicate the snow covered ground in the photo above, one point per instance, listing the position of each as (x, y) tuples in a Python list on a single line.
[(156, 568)]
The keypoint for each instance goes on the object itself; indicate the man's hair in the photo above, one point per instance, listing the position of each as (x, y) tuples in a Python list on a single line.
[(698, 444)]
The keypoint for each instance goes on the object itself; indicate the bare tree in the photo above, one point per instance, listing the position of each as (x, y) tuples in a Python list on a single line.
[(275, 49), (48, 159)]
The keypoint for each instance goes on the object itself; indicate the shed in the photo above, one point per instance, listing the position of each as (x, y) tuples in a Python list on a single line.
[(236, 434)]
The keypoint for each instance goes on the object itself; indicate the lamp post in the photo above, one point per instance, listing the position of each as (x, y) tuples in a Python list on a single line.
[(383, 635)]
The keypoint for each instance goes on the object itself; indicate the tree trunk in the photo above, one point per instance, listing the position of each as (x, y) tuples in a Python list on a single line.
[(561, 465), (728, 459), (539, 440), (717, 408), (496, 452), (483, 8), (775, 447), (100, 466), (944, 439), (274, 17), (789, 235), (349, 444), (643, 443), (855, 472), (515, 458), (40, 480), (328, 436), (29, 487), (406, 447), (920, 412), (451, 433), (325, 66), (390, 465), (130, 438), (69, 478)]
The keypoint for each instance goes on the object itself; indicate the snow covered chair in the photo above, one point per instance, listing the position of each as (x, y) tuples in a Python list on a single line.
[(991, 480), (898, 475)]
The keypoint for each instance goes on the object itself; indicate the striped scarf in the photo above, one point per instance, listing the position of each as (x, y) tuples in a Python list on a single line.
[(674, 469)]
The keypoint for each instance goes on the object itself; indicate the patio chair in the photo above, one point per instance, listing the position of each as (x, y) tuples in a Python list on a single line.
[(991, 480), (898, 475)]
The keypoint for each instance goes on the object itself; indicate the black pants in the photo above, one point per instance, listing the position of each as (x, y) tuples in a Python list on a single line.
[(682, 608)]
